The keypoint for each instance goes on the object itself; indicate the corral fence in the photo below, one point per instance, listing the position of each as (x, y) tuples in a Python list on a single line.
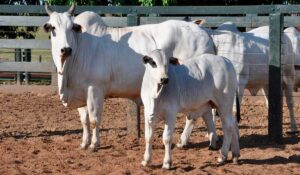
[(276, 16)]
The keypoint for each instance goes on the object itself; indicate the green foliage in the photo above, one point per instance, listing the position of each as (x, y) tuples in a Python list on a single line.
[(157, 2), (147, 2), (69, 2), (168, 2)]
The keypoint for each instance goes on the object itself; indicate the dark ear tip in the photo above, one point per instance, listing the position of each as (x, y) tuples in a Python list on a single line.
[(46, 27), (77, 27), (174, 61), (145, 59)]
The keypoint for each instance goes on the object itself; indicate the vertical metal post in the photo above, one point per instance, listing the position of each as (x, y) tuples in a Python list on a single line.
[(251, 16), (133, 20), (133, 111), (18, 58), (275, 79)]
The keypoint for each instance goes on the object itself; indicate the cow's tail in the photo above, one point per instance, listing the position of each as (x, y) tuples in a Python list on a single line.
[(237, 104)]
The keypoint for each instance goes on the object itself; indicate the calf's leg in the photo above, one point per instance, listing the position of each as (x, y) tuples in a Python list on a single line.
[(149, 128), (167, 139), (84, 118)]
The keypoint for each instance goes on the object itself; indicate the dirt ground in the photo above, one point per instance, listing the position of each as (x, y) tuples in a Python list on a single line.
[(40, 136)]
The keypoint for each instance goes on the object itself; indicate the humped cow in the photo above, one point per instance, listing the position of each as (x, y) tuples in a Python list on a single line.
[(196, 86), (92, 67), (249, 53)]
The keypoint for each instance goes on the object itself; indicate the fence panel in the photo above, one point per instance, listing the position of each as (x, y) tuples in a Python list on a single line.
[(136, 16)]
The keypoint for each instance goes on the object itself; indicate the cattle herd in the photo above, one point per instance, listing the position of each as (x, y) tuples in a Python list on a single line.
[(170, 67)]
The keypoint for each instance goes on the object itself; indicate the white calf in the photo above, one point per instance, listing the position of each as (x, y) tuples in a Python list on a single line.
[(200, 84)]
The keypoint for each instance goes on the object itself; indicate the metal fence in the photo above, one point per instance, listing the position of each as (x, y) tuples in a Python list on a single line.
[(276, 16)]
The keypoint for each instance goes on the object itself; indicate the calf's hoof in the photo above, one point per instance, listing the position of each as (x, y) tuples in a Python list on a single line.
[(181, 145), (144, 163)]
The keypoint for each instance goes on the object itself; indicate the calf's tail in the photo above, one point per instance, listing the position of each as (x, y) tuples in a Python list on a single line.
[(237, 104)]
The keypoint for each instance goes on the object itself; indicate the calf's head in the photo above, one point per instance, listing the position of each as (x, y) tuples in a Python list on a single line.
[(157, 67), (63, 39)]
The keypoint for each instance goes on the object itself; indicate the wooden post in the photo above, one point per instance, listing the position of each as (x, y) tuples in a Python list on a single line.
[(133, 119), (133, 111), (54, 79), (18, 58), (275, 83)]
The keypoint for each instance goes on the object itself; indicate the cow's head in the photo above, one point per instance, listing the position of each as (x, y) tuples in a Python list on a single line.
[(157, 66), (63, 31)]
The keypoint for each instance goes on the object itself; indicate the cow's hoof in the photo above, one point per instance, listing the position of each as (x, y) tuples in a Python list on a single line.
[(93, 148), (221, 159), (212, 148), (235, 160), (144, 163), (293, 132), (166, 166), (83, 146)]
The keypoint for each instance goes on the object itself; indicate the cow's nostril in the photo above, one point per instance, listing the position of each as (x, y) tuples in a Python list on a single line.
[(164, 80)]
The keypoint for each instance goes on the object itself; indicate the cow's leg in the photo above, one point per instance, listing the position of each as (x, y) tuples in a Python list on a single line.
[(189, 125), (290, 104), (265, 92), (211, 129), (149, 129), (84, 118), (167, 139), (95, 105), (228, 126)]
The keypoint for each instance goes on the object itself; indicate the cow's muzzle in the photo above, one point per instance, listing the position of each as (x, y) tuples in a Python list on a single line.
[(164, 81), (66, 51)]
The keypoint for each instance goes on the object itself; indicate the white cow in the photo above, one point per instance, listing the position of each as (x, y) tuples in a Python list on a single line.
[(92, 67), (198, 85), (249, 53)]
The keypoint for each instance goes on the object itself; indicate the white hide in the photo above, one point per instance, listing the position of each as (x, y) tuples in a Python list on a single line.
[(249, 53), (195, 87), (106, 62)]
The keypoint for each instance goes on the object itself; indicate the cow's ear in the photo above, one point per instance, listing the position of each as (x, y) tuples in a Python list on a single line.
[(47, 27), (76, 28), (174, 61), (297, 28), (199, 22), (146, 59)]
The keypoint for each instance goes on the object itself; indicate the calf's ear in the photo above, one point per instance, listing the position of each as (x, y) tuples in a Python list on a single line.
[(76, 28), (47, 27), (174, 61), (146, 59)]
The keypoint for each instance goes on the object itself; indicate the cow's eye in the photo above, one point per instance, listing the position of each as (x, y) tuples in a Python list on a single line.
[(52, 28), (153, 64)]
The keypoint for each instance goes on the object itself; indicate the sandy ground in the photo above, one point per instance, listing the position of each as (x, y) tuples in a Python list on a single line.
[(40, 136)]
